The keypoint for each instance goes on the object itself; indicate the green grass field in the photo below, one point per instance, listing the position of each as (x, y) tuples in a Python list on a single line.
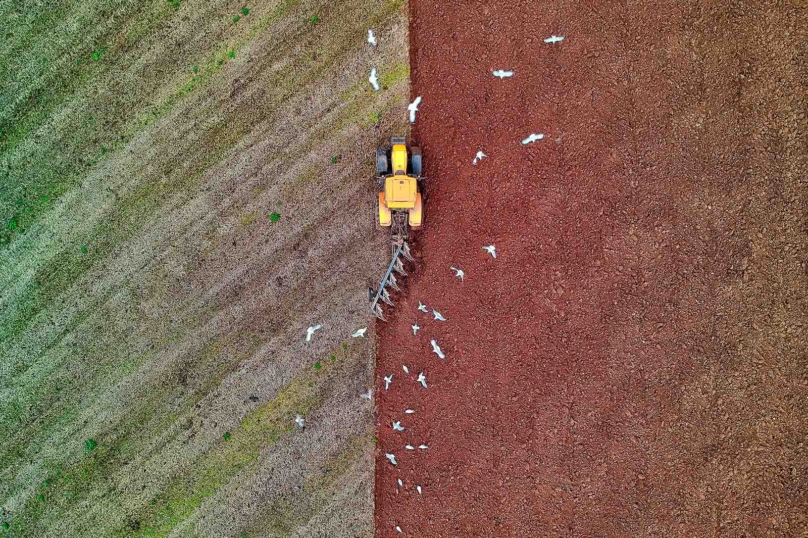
[(184, 187)]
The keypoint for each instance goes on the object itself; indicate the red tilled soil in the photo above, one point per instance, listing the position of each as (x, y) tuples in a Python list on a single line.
[(634, 361)]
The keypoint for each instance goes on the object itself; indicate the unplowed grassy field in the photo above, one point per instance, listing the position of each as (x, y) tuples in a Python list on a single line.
[(184, 188)]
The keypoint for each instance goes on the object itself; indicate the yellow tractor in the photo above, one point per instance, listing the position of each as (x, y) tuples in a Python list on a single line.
[(401, 206), (401, 187)]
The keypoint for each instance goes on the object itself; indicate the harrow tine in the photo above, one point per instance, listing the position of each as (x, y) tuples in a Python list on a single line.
[(392, 281), (399, 267), (378, 312), (405, 251), (385, 296)]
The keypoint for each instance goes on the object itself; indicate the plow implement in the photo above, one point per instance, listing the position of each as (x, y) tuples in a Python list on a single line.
[(400, 252)]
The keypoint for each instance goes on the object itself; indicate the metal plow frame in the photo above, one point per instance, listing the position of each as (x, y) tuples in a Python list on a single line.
[(399, 249)]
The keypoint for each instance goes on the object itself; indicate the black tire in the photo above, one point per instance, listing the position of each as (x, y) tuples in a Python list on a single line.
[(422, 188), (417, 161), (382, 163)]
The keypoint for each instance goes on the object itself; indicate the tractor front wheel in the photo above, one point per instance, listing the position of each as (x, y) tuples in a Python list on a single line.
[(382, 164)]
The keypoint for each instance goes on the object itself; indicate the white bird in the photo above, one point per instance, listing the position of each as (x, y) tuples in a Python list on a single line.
[(387, 381), (458, 273), (436, 350), (423, 447), (418, 489), (398, 529), (310, 331), (392, 458), (368, 395), (404, 367), (553, 39), (491, 249), (408, 411), (300, 421), (500, 74), (371, 38), (400, 482), (397, 426), (422, 307), (422, 379), (373, 80), (415, 329), (479, 157), (438, 316), (413, 108), (532, 138), (409, 447), (359, 333)]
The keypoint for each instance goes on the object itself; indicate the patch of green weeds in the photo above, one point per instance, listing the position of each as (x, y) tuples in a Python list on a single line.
[(375, 117), (90, 445), (335, 159), (274, 217), (248, 219), (226, 436), (96, 56), (314, 19), (231, 54), (245, 11), (236, 18), (83, 249), (195, 69), (317, 365), (400, 71), (311, 383), (4, 526), (333, 358), (345, 346)]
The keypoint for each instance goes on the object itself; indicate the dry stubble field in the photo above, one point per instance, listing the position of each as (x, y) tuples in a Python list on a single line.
[(152, 312)]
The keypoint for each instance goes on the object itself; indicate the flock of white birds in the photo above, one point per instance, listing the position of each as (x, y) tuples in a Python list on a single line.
[(459, 273)]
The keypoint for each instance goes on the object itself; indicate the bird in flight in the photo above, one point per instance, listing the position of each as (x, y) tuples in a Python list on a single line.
[(423, 447), (404, 367), (491, 249), (387, 381), (436, 349), (300, 421), (458, 273), (553, 39), (532, 138), (398, 529), (400, 482), (310, 331), (374, 81), (500, 74), (413, 108), (397, 426), (438, 315), (359, 333), (408, 411), (371, 38), (422, 379), (391, 457), (409, 447), (418, 489), (415, 329), (479, 157), (422, 307)]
